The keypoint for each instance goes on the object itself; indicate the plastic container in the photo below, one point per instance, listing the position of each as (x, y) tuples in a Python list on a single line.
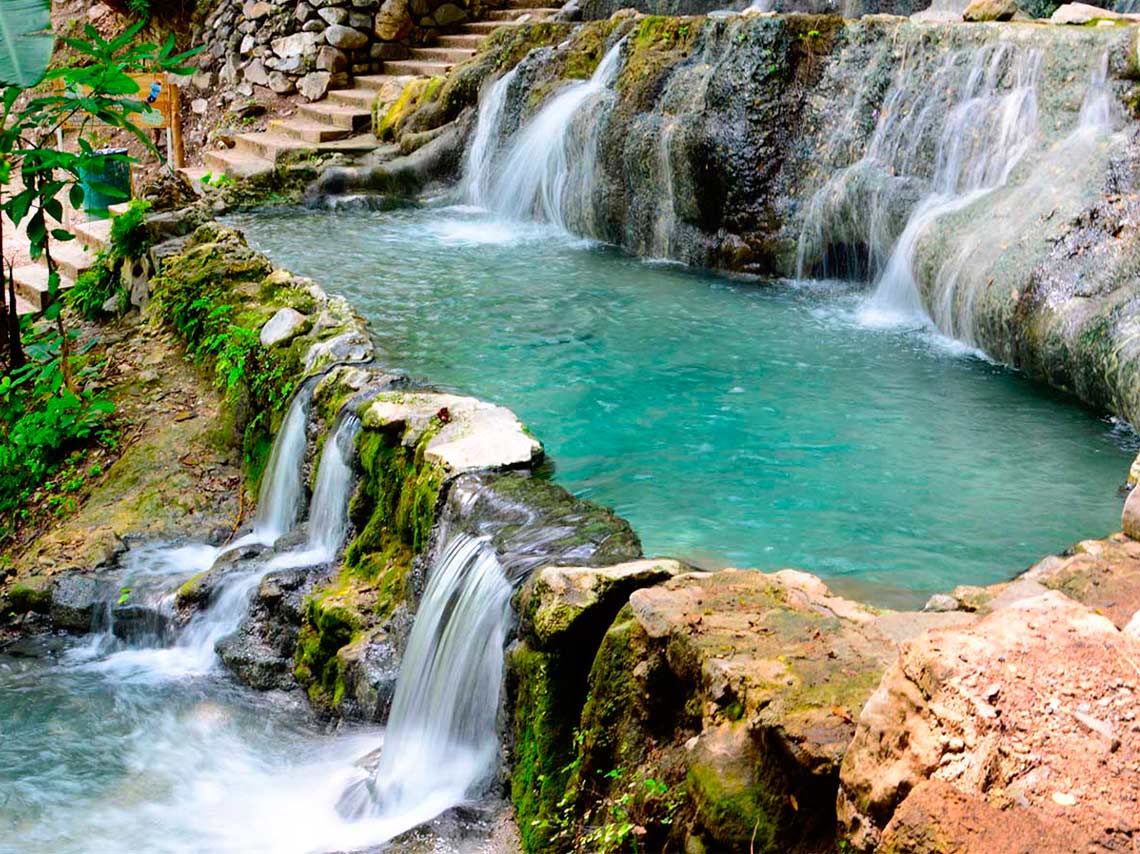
[(114, 175)]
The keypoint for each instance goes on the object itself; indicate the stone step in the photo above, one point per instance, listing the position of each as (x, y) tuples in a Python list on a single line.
[(32, 285), (536, 13), (237, 164), (485, 28), (412, 68), (272, 146), (452, 55), (95, 234), (469, 41), (71, 258), (23, 307), (358, 99), (379, 82), (307, 130), (349, 118), (526, 4)]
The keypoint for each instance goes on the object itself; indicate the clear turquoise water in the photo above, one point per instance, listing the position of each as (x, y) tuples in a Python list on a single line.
[(732, 422)]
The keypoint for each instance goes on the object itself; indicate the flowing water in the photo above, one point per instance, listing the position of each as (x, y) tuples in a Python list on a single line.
[(733, 422), (447, 696)]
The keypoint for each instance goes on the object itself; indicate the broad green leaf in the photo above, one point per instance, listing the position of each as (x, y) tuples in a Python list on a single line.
[(25, 41)]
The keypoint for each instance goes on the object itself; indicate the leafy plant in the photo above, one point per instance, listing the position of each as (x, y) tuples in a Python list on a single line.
[(48, 402)]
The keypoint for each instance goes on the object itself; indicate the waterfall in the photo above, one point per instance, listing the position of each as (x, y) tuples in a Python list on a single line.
[(441, 743), (547, 171), (479, 162), (942, 140), (193, 651), (983, 138), (328, 517), (282, 491)]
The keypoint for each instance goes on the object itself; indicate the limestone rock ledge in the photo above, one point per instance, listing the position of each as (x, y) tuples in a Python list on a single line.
[(715, 710), (1030, 712)]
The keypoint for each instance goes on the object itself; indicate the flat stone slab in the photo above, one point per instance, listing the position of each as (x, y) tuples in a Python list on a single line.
[(470, 434)]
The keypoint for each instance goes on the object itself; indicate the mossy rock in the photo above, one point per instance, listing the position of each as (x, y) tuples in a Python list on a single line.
[(30, 594)]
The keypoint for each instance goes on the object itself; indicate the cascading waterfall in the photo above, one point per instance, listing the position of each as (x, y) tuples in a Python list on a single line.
[(936, 147), (441, 743), (961, 278), (329, 514), (282, 494), (478, 165), (193, 651), (983, 138), (547, 172)]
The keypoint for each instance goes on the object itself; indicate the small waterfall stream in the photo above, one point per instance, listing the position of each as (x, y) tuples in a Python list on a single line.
[(546, 171), (479, 163), (329, 514), (281, 499), (193, 651), (441, 743)]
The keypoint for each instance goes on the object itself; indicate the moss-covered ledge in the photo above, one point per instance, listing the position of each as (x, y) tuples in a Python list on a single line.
[(411, 445), (258, 331)]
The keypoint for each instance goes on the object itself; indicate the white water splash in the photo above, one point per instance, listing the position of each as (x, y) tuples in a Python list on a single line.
[(441, 744), (479, 164), (547, 171)]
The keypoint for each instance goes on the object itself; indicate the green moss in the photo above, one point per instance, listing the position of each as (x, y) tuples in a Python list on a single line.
[(546, 704), (191, 592), (417, 93), (394, 510), (330, 622), (32, 594)]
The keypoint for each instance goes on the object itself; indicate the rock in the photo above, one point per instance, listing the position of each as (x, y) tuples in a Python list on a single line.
[(283, 326), (298, 44), (332, 15), (346, 347), (771, 719), (76, 600), (303, 12), (937, 817), (471, 435), (29, 594), (314, 85), (1130, 517), (280, 83), (394, 21), (370, 667), (315, 27), (992, 710), (1080, 13), (332, 60), (345, 37), (448, 14), (1133, 626), (560, 604), (199, 106), (247, 45), (203, 80), (533, 523), (255, 11), (941, 602), (990, 10), (256, 73), (1102, 574), (261, 651)]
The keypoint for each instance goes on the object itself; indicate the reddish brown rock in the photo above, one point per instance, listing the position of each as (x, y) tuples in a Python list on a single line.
[(1033, 708)]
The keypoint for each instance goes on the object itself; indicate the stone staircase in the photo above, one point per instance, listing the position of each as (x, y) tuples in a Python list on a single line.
[(343, 121), (71, 259)]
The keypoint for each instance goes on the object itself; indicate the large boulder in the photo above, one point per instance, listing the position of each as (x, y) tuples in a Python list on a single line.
[(990, 10), (717, 709), (1031, 710)]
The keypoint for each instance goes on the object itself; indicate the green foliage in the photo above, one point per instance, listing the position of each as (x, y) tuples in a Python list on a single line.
[(41, 422), (220, 180), (92, 290), (129, 235), (25, 41)]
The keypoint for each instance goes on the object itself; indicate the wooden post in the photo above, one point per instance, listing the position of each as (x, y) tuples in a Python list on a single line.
[(178, 155)]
